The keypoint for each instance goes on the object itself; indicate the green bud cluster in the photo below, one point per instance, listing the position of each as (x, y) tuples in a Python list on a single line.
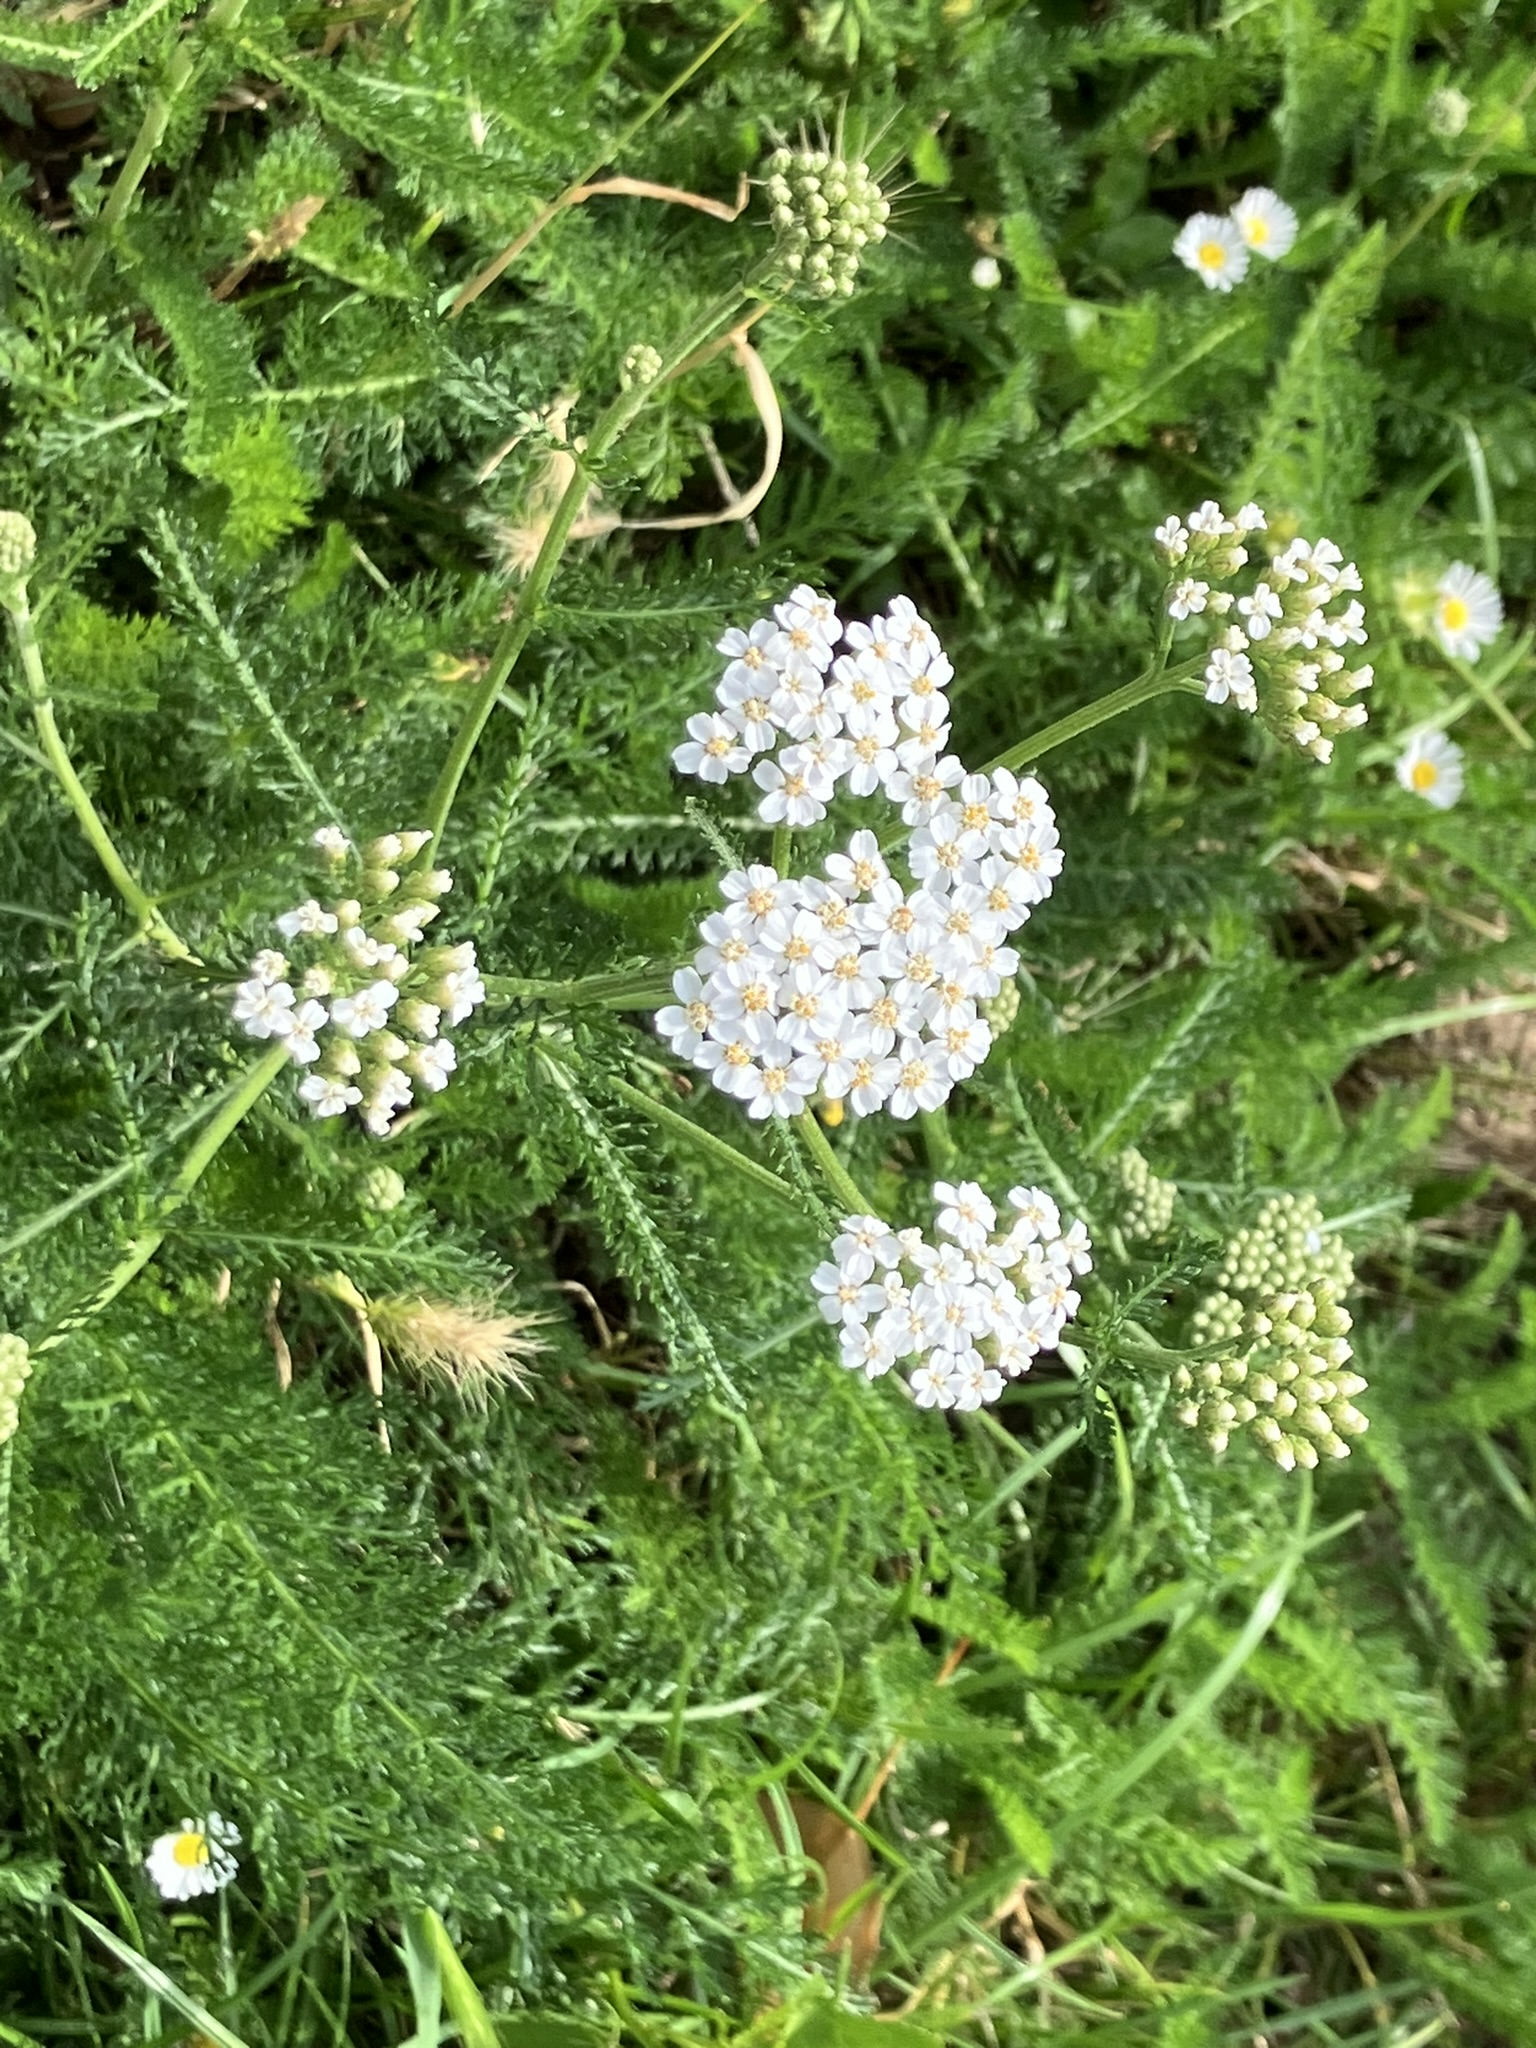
[(1000, 1010), (18, 544), (641, 365), (1288, 1247), (825, 211), (1149, 1202), (1278, 1306), (15, 1369)]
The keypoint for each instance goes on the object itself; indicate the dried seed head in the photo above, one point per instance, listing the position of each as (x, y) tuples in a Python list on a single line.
[(468, 1344)]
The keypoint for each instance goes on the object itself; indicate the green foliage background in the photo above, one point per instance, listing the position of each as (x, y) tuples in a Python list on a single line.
[(1228, 1758)]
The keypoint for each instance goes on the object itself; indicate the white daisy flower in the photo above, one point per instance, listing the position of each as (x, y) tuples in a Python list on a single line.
[(1230, 675), (1265, 223), (1213, 247), (309, 1019), (195, 1860), (788, 799), (930, 1384), (1189, 596), (366, 1011), (1430, 767), (1468, 611)]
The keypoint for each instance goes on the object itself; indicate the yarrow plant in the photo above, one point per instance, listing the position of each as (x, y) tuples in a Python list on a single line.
[(194, 1860), (859, 984), (1280, 654), (347, 998), (1283, 1374), (972, 1311), (1149, 1200), (1217, 246), (15, 1370)]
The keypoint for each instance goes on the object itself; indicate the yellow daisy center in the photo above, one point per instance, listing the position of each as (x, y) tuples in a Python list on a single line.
[(1213, 255), (1454, 613), (1424, 775), (190, 1850), (1257, 232)]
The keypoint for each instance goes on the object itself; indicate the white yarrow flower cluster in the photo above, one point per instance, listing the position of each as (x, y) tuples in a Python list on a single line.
[(354, 1005), (195, 1860), (859, 985), (971, 1311), (1280, 653), (1218, 246)]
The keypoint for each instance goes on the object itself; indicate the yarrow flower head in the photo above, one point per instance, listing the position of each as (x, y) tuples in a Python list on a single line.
[(1149, 1201), (826, 210), (861, 986), (971, 1310), (195, 1860), (15, 1370), (1283, 1372), (1430, 766), (1217, 246), (1468, 611), (1279, 655), (355, 1005)]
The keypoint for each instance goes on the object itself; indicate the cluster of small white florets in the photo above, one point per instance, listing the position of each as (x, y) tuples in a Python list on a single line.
[(1281, 656), (1278, 1303), (973, 1311), (366, 1017), (1148, 1209), (826, 210), (874, 717)]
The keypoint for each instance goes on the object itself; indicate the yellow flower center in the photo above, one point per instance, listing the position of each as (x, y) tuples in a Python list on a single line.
[(190, 1850), (1454, 613), (1257, 232), (1424, 775), (1213, 255)]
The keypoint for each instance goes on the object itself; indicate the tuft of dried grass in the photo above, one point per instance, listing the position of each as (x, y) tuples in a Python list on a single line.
[(471, 1346)]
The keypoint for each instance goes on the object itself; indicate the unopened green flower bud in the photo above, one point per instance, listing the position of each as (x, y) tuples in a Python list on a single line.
[(15, 1368), (382, 1190), (641, 365), (18, 544)]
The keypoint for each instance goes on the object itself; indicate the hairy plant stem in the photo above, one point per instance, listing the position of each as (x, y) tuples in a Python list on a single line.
[(515, 635), (179, 73), (133, 893), (199, 1158), (841, 1181)]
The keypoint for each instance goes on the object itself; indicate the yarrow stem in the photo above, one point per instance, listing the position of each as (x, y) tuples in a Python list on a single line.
[(819, 1145), (199, 1158), (632, 988), (619, 416), (13, 594), (1154, 681)]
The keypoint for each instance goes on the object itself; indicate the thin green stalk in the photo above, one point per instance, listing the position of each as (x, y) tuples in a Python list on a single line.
[(632, 988), (1154, 681), (937, 1140), (179, 73), (779, 857), (704, 1141), (199, 1158), (842, 1183), (138, 899), (519, 627)]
